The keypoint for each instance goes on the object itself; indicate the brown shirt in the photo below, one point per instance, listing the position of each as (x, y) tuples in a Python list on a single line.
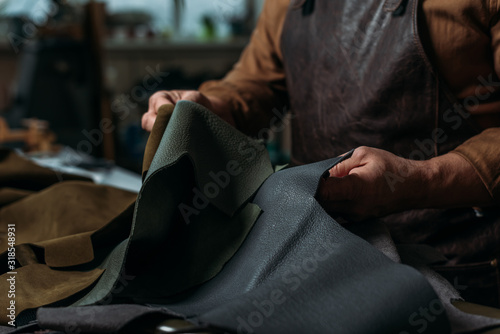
[(461, 37)]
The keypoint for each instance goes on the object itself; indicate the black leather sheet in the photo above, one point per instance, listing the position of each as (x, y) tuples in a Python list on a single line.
[(299, 271)]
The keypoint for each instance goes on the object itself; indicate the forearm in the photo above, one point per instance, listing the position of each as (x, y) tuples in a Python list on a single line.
[(250, 104), (448, 181), (223, 108), (255, 87), (375, 183)]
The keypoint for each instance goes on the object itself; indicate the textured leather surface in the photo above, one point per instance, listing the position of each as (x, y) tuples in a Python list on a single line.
[(328, 279), (56, 224), (162, 119), (166, 253)]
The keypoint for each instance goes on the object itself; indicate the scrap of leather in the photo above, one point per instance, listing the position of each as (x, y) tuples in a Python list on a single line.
[(54, 222), (63, 209), (37, 285), (10, 195)]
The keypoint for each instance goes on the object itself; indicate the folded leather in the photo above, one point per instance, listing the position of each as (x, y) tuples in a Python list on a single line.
[(193, 210), (308, 273)]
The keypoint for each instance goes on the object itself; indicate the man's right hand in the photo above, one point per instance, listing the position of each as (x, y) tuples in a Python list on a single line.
[(173, 96)]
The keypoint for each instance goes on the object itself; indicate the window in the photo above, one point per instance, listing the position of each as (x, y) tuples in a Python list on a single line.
[(160, 14), (163, 13)]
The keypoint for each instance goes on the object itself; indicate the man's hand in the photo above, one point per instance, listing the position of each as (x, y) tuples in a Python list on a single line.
[(374, 183), (172, 97)]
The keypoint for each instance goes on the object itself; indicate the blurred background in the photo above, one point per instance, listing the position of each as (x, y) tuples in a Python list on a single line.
[(77, 74)]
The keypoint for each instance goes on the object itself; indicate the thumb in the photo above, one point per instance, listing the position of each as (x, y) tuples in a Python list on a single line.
[(343, 168)]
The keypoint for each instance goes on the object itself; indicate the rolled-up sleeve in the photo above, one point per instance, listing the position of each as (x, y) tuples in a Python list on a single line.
[(256, 84), (483, 152)]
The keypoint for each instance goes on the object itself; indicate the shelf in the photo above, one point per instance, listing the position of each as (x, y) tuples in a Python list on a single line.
[(179, 46)]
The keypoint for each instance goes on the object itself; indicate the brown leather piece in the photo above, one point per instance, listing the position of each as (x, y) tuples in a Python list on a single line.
[(58, 225), (25, 255), (10, 195), (472, 308), (35, 286), (63, 209), (164, 114), (68, 251)]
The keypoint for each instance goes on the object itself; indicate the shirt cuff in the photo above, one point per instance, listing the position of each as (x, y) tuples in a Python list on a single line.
[(483, 153)]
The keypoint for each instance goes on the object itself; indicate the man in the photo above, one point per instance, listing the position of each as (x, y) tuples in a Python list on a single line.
[(415, 80)]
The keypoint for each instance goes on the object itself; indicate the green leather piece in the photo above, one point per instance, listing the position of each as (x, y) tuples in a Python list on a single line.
[(214, 147), (193, 211)]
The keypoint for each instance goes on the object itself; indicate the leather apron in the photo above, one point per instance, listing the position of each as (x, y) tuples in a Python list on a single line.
[(357, 74)]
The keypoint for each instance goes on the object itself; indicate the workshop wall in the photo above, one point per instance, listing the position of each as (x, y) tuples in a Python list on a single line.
[(75, 65)]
